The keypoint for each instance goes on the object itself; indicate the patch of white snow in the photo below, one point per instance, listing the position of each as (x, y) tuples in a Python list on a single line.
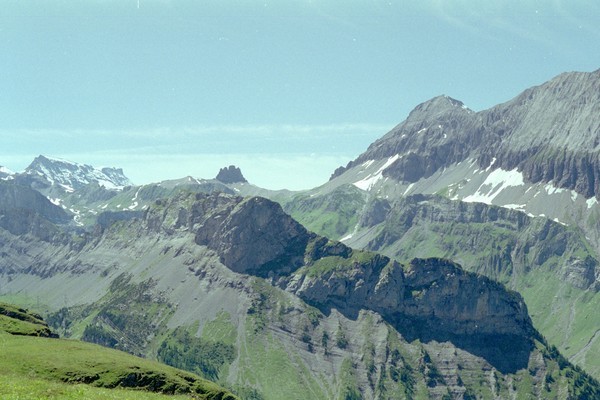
[(367, 164), (551, 189), (494, 184), (591, 202), (491, 164), (67, 188), (562, 223), (368, 182), (347, 237), (515, 206), (136, 194), (408, 189), (574, 195)]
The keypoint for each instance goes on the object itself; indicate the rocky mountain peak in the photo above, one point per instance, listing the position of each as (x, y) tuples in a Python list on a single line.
[(549, 133), (438, 105), (72, 176), (436, 133), (231, 174), (5, 173)]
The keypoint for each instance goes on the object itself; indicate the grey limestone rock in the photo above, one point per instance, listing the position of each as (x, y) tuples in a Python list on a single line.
[(551, 133)]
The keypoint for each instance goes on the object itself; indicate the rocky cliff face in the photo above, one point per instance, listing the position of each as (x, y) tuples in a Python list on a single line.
[(550, 133), (429, 299), (24, 210)]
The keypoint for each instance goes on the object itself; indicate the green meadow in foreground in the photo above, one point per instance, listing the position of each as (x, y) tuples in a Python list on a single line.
[(35, 366)]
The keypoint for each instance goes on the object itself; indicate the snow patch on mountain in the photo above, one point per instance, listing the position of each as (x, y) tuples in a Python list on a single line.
[(591, 202), (367, 164), (551, 189), (6, 174), (347, 237), (55, 201), (494, 184), (408, 189), (368, 182)]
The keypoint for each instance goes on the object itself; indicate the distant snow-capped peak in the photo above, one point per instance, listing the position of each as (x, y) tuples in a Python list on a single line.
[(4, 172), (72, 176)]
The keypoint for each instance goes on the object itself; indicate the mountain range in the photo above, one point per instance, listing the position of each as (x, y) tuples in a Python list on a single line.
[(457, 257)]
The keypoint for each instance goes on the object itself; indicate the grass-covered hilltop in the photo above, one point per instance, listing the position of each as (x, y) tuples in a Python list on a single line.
[(35, 364)]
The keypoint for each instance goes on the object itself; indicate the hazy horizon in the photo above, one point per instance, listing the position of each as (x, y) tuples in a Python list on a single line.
[(287, 91)]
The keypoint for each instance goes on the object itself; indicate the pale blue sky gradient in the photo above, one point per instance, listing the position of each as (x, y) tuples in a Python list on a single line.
[(288, 90)]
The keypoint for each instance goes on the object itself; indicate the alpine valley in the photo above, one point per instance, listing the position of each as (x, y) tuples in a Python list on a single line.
[(456, 258)]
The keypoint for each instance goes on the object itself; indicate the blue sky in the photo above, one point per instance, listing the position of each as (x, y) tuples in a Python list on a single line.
[(287, 90)]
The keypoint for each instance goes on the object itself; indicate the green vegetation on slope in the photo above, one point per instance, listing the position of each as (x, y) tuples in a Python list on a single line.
[(204, 357), (17, 321), (323, 256), (110, 323), (331, 215), (45, 368)]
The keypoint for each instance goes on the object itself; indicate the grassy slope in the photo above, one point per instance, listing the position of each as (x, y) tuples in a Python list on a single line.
[(332, 215), (45, 368)]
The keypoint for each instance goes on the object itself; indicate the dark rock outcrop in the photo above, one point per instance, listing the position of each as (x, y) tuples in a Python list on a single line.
[(255, 237), (431, 299), (231, 174), (436, 133)]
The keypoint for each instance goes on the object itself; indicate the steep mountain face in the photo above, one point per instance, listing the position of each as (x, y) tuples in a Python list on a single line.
[(429, 299), (549, 133), (505, 243), (19, 197), (436, 134), (44, 172), (290, 314), (537, 153), (24, 210)]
